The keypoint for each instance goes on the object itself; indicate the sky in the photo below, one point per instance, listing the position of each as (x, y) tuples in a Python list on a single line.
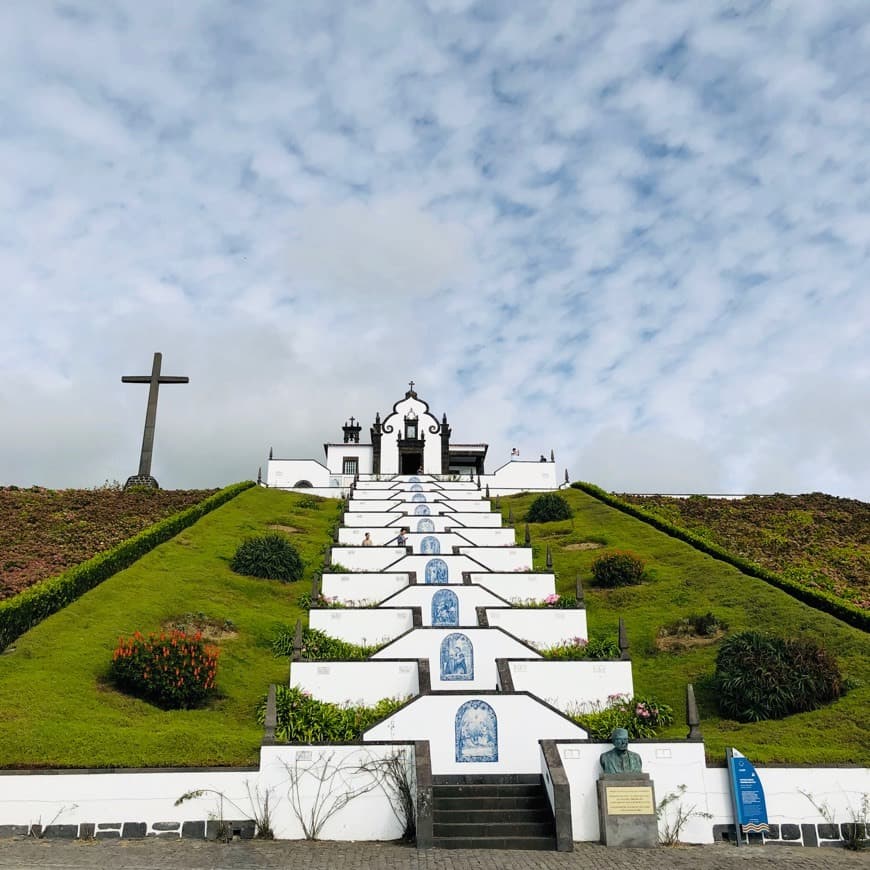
[(635, 232)]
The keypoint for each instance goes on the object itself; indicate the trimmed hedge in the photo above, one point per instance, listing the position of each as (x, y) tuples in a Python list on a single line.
[(30, 607), (814, 597)]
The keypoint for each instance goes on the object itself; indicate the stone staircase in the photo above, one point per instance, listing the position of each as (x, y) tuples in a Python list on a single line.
[(509, 811)]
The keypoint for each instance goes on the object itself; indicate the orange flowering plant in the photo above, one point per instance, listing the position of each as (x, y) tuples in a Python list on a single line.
[(173, 669)]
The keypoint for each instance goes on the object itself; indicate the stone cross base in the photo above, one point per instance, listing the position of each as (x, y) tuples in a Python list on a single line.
[(627, 810), (142, 480)]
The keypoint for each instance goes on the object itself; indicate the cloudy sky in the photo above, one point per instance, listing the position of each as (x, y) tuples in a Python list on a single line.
[(635, 232)]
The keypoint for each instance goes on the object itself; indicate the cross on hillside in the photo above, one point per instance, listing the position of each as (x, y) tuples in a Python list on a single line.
[(153, 380)]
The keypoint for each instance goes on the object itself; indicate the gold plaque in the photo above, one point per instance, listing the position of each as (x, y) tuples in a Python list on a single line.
[(630, 801)]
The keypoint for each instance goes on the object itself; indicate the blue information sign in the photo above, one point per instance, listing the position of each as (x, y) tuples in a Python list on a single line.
[(749, 805)]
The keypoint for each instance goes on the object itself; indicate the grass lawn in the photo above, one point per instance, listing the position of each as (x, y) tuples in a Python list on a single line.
[(685, 581), (56, 709)]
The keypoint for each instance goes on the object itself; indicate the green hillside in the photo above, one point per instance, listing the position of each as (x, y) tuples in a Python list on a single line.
[(683, 582), (56, 710)]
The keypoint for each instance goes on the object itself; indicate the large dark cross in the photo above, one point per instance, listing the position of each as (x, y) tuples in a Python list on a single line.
[(154, 381)]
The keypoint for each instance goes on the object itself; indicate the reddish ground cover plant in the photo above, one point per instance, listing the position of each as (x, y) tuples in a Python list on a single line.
[(44, 531), (817, 540)]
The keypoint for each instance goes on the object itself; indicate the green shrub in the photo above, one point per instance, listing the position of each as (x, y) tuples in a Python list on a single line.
[(30, 607), (302, 719), (318, 646), (548, 508), (640, 716), (270, 556), (575, 648), (173, 669), (819, 598), (309, 503), (760, 676), (617, 569)]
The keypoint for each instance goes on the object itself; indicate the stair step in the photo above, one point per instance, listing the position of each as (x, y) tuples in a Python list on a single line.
[(465, 803), (530, 843), (494, 814), (487, 779), (473, 830), (481, 791)]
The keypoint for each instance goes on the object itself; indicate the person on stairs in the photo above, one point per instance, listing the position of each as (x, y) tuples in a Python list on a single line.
[(367, 540)]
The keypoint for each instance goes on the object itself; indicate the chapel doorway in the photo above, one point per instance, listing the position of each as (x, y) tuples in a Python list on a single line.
[(412, 463)]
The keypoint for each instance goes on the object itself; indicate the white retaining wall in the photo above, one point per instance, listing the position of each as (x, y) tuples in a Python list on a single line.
[(367, 558), (287, 472), (673, 764), (520, 475), (501, 558), (570, 686), (373, 519), (356, 683), (542, 626), (489, 537), (352, 589), (517, 586), (425, 643), (363, 627), (470, 598), (522, 721)]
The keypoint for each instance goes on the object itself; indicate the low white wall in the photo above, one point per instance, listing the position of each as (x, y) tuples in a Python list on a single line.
[(518, 586), (840, 788), (288, 472), (488, 645), (356, 683), (519, 475), (474, 520), (674, 764), (367, 558), (488, 537), (669, 765), (369, 521), (469, 597), (522, 722), (322, 773), (570, 686), (436, 508), (541, 626), (455, 566), (362, 627), (501, 558), (381, 536), (362, 590)]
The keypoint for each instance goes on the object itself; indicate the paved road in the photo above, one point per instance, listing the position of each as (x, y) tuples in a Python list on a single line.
[(22, 854)]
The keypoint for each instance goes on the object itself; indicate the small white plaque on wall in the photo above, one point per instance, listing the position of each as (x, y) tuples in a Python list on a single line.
[(572, 753), (404, 669), (520, 667), (335, 616), (345, 578), (599, 669), (663, 753), (323, 669)]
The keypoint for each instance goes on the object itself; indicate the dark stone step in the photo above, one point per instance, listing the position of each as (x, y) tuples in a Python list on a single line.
[(528, 802), (473, 830), (487, 779), (479, 814), (478, 791), (530, 843)]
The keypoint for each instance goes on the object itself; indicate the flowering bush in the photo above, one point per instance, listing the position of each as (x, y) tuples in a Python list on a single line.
[(640, 716), (173, 669)]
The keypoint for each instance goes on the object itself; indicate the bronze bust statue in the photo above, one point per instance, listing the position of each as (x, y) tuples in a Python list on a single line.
[(620, 759)]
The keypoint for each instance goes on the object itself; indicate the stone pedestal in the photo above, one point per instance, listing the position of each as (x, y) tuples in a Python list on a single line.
[(141, 480), (627, 810)]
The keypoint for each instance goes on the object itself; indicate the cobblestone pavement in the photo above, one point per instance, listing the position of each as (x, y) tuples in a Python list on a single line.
[(185, 855)]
